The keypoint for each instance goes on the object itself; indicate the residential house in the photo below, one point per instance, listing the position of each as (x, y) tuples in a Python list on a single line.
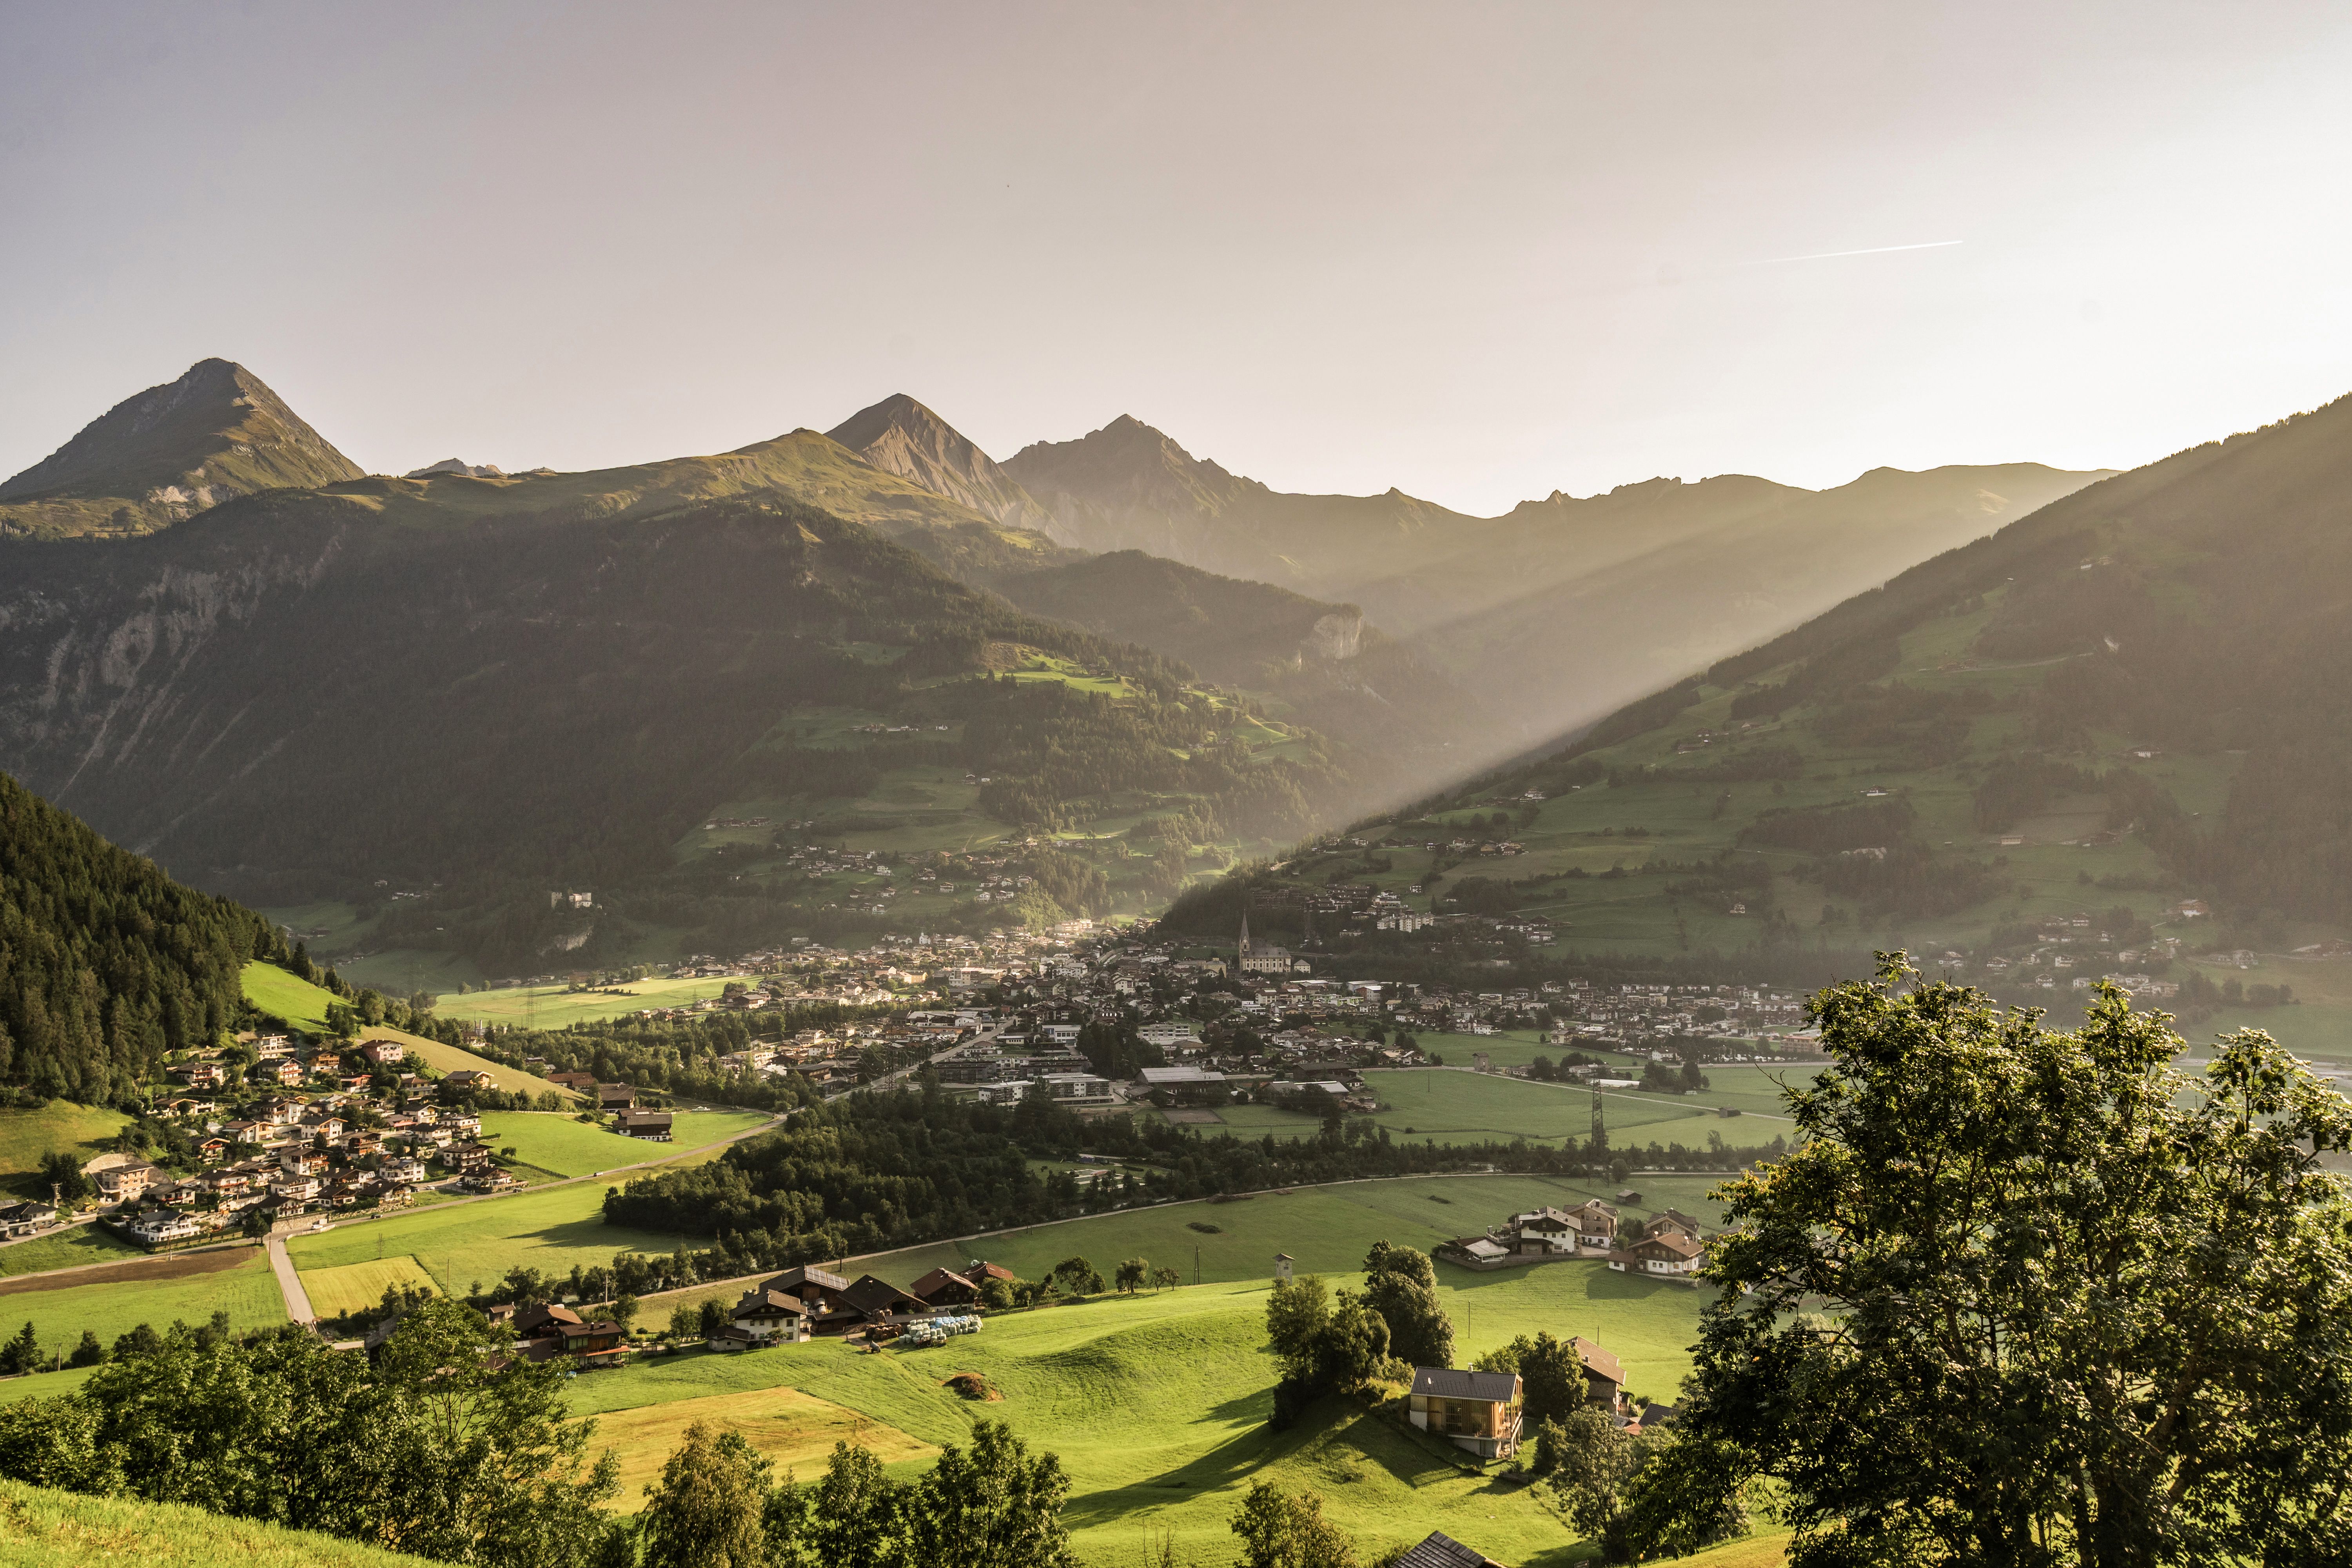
[(296, 1161), (763, 1315), (25, 1218), (878, 1303), (469, 1078), (157, 1227), (1544, 1230), (1668, 1252), (1479, 1411), (616, 1096), (286, 1071), (120, 1184), (384, 1053), (1605, 1375)]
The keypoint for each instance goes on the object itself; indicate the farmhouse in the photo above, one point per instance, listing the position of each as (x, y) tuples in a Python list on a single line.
[(764, 1314), (944, 1287), (1478, 1410), (616, 1096), (1668, 1252), (1439, 1550), (652, 1125)]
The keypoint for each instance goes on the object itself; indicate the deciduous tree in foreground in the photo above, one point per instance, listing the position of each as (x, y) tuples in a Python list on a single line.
[(2031, 1297)]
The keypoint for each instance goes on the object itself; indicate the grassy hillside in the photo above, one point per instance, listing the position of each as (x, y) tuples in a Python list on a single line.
[(1157, 1405), (553, 1007), (297, 1002), (47, 1528), (25, 1135)]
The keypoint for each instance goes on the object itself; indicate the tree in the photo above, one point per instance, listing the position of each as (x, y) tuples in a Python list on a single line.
[(996, 1295), (1324, 1347), (1132, 1274), (89, 1352), (255, 1223), (1591, 1461), (1552, 1375), (62, 1172), (855, 1518), (624, 1310), (990, 1506), (711, 1317), (1279, 1531), (21, 1355), (1400, 1285), (708, 1508), (1078, 1277), (685, 1322), (1165, 1278), (2077, 1306)]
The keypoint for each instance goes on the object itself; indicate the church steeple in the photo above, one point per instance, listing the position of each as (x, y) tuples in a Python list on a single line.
[(1243, 951)]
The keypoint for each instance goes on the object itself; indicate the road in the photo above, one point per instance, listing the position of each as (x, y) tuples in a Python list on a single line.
[(290, 1284)]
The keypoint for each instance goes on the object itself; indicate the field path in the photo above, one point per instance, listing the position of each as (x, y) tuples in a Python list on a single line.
[(297, 1300)]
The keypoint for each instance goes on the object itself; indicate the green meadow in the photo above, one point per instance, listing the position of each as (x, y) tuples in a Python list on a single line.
[(1157, 1405), (554, 1142), (48, 1529), (248, 1291), (83, 1130), (68, 1249), (460, 1245), (556, 1006)]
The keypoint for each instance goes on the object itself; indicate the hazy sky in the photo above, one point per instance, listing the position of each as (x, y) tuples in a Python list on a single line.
[(1475, 251)]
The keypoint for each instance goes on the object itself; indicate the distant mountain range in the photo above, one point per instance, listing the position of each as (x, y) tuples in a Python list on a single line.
[(174, 688)]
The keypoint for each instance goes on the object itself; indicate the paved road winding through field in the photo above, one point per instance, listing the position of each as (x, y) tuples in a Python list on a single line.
[(297, 1300)]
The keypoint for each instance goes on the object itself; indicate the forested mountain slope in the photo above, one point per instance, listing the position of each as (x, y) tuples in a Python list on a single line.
[(214, 434), (106, 963), (314, 694)]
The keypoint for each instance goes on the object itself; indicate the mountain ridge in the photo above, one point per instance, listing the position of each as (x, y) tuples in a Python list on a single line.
[(902, 436)]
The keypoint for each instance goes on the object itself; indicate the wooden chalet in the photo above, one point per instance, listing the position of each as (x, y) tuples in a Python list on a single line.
[(1478, 1411)]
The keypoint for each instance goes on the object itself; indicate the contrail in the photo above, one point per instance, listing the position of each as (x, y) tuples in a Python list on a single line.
[(1833, 255)]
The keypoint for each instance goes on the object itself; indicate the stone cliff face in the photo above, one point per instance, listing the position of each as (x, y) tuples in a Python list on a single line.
[(1336, 637)]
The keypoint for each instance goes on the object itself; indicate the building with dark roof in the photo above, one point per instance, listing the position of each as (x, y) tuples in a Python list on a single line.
[(1439, 1550), (1478, 1411)]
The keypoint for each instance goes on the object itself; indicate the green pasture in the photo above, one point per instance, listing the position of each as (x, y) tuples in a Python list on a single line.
[(1157, 1405), (84, 1130), (356, 1285), (248, 1292), (463, 1244), (556, 1006), (68, 1249), (554, 1141)]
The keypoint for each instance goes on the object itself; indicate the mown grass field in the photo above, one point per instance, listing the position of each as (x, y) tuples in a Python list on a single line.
[(27, 1135), (795, 1430), (460, 1243), (355, 1286), (554, 1142), (247, 1292), (304, 1005), (555, 1006), (68, 1249), (1157, 1405), (42, 1528)]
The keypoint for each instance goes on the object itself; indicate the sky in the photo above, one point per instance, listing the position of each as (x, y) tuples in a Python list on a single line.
[(1476, 252)]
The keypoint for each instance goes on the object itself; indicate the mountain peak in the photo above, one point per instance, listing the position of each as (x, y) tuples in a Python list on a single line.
[(900, 436), (215, 433)]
